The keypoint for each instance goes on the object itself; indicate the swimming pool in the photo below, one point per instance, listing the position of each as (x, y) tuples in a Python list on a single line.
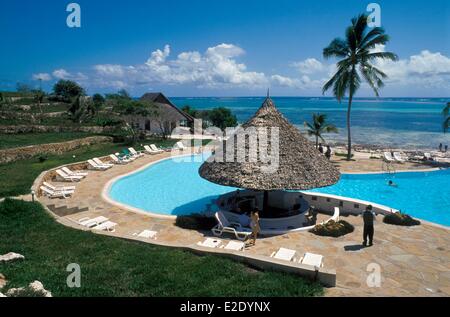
[(169, 187)]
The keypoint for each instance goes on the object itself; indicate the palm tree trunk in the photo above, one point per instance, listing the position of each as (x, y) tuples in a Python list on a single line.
[(349, 135), (317, 142)]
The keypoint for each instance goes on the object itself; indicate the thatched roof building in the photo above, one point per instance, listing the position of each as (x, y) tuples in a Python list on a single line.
[(300, 167)]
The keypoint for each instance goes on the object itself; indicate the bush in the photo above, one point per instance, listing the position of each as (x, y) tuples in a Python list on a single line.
[(400, 219), (196, 222), (42, 158), (333, 229)]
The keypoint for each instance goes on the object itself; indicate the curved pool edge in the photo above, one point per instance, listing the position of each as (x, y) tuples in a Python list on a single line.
[(106, 189)]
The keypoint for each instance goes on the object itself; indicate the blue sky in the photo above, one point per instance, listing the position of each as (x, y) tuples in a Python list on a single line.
[(215, 48)]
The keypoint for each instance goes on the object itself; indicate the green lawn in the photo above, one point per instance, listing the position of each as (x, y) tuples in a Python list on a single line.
[(18, 140), (17, 177), (115, 267)]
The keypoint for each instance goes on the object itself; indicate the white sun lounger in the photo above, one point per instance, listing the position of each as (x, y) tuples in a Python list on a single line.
[(55, 194), (116, 160), (135, 153), (223, 225), (284, 254), (62, 176), (100, 162), (335, 215), (388, 157), (398, 157), (95, 166), (179, 146), (106, 226), (59, 188), (66, 170), (155, 148), (312, 259), (149, 150), (235, 246), (428, 156), (148, 234), (210, 243), (88, 222)]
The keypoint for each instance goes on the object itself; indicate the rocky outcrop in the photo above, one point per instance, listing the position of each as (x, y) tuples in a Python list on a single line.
[(34, 289), (11, 256), (15, 154)]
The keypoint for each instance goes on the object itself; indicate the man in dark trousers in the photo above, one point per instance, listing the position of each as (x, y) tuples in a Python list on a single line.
[(368, 217)]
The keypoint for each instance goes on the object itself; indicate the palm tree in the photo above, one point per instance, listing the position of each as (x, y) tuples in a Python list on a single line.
[(319, 126), (356, 54), (446, 114)]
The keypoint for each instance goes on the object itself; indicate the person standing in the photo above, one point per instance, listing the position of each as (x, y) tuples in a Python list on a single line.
[(440, 147), (368, 232), (328, 152), (446, 148), (320, 148), (254, 224)]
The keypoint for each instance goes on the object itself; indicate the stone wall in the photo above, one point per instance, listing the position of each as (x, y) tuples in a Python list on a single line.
[(15, 154), (15, 129)]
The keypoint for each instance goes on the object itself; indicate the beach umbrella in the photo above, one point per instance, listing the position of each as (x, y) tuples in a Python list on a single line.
[(300, 165)]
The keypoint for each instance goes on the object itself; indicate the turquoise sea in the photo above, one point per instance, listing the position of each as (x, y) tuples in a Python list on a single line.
[(412, 123)]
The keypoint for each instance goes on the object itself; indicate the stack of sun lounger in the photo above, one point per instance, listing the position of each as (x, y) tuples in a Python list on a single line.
[(64, 177), (311, 259), (120, 160), (98, 167), (98, 223), (134, 153), (56, 191), (152, 149)]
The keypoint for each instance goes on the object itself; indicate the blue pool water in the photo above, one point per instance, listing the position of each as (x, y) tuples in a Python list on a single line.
[(175, 188)]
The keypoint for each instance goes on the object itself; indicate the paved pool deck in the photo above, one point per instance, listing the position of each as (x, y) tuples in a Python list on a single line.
[(413, 261)]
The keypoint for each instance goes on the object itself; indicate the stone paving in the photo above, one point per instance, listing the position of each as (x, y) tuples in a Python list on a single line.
[(413, 261)]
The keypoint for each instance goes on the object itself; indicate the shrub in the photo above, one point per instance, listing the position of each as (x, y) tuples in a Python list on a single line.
[(42, 158), (196, 222), (333, 229), (400, 219)]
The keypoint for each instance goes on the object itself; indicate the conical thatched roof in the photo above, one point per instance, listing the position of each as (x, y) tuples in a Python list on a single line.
[(300, 165)]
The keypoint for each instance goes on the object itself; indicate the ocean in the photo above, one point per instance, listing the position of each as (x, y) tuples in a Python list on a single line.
[(409, 123)]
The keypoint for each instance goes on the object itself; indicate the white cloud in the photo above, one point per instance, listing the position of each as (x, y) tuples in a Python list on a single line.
[(217, 67), (220, 67), (42, 76), (64, 74), (424, 69), (309, 66)]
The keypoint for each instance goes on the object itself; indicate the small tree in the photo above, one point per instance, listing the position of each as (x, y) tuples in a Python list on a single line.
[(38, 96), (222, 118), (67, 89), (318, 126), (98, 102)]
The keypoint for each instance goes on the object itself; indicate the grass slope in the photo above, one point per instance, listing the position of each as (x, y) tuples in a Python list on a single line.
[(25, 139), (115, 267)]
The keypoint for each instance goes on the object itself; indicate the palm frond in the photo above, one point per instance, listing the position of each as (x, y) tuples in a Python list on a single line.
[(382, 55), (337, 48), (381, 39)]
